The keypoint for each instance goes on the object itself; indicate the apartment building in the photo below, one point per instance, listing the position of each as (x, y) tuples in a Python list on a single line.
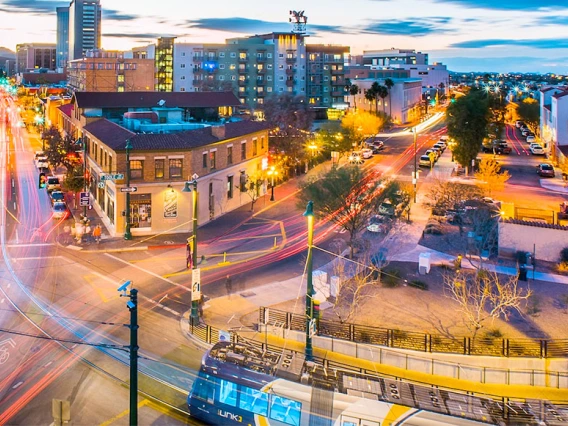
[(110, 71), (390, 57), (554, 122), (326, 76)]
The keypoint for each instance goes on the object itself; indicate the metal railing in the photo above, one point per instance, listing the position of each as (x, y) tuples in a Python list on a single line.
[(400, 339)]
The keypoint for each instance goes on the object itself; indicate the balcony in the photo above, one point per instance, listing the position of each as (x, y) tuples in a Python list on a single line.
[(290, 71), (260, 95), (260, 82), (337, 72), (261, 58), (290, 83), (243, 59), (261, 70), (291, 59), (338, 93), (243, 83), (244, 70)]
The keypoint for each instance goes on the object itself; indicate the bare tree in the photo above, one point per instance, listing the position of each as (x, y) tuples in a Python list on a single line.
[(251, 185), (484, 296), (445, 194)]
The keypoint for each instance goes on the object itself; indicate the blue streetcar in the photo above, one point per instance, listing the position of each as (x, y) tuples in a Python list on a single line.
[(243, 385)]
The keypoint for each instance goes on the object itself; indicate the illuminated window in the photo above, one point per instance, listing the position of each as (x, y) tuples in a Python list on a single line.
[(176, 168), (136, 169), (228, 393), (159, 166), (253, 400)]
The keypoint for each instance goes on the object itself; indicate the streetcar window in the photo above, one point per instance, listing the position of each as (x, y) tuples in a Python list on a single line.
[(285, 410), (205, 388), (228, 393), (253, 400)]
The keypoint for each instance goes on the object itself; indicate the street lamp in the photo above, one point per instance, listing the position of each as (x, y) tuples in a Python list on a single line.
[(415, 176), (272, 172), (310, 320), (195, 290), (127, 233), (80, 141)]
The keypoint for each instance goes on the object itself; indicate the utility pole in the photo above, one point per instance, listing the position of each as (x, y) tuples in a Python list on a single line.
[(415, 177), (127, 233), (310, 320), (85, 188), (195, 272), (132, 306)]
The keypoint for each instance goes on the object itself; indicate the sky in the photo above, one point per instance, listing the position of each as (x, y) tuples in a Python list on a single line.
[(467, 35)]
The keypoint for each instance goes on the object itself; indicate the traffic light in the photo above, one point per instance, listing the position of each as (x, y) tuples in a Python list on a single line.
[(42, 180), (317, 311)]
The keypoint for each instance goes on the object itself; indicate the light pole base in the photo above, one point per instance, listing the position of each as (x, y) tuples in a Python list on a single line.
[(127, 233)]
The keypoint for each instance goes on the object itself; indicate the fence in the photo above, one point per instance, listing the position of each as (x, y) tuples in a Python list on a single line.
[(400, 339), (490, 375)]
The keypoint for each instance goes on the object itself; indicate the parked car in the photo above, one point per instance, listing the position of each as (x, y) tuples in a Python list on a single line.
[(531, 139), (440, 146), (53, 184), (39, 154), (387, 208), (41, 161), (536, 149), (425, 161), (445, 138), (60, 210), (525, 132), (437, 150), (57, 196), (366, 153), (435, 154), (503, 148), (378, 145), (519, 123), (378, 223), (545, 170), (355, 158)]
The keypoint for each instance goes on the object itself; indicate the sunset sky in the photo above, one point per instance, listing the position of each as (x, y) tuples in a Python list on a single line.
[(467, 35)]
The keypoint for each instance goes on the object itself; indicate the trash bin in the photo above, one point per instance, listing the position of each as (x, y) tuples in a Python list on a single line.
[(522, 273)]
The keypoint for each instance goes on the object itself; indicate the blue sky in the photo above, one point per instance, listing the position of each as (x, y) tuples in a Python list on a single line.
[(467, 35)]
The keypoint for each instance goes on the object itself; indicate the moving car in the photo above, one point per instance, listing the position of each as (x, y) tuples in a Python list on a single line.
[(40, 160), (425, 161), (519, 123), (545, 170), (53, 184), (367, 153), (60, 210), (39, 154), (355, 158), (525, 131), (536, 149)]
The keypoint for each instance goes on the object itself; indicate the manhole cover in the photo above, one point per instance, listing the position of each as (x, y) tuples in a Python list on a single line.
[(248, 294)]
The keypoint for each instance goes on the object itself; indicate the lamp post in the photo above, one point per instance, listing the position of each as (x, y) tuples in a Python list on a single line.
[(310, 320), (127, 233), (415, 176), (272, 172), (195, 286)]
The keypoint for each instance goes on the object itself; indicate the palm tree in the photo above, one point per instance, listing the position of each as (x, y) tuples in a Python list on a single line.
[(382, 93), (389, 83), (370, 96), (354, 90), (375, 90)]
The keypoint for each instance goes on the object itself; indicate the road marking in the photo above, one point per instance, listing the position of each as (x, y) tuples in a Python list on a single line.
[(148, 272), (165, 308), (17, 385), (123, 414)]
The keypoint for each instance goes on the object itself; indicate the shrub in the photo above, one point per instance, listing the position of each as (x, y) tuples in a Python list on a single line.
[(562, 267), (533, 305), (418, 284), (391, 278), (494, 333), (564, 255)]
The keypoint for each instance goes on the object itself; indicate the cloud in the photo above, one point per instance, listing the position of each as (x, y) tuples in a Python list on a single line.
[(34, 7), (143, 36), (409, 27), (532, 43), (253, 26), (552, 20), (510, 4), (115, 15)]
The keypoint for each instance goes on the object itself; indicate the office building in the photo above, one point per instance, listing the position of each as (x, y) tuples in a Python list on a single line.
[(31, 56), (164, 64), (84, 27), (62, 45), (389, 57)]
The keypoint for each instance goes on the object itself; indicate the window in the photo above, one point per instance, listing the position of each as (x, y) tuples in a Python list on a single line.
[(136, 169), (233, 54), (228, 393), (182, 53), (204, 160), (233, 77), (229, 155), (213, 159), (221, 77), (285, 410), (176, 168), (182, 77), (182, 89), (281, 55), (159, 166), (182, 66), (229, 196), (243, 151), (254, 147), (262, 142), (232, 67), (269, 89), (268, 66), (222, 55), (268, 78), (269, 55), (242, 55), (254, 400), (221, 66)]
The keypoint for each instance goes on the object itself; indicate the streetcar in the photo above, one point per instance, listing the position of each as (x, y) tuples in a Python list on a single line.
[(242, 384)]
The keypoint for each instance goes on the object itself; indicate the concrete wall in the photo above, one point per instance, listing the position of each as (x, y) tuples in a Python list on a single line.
[(546, 242)]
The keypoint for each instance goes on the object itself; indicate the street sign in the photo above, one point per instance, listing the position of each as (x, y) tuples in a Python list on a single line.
[(195, 284), (312, 328), (129, 189), (101, 185), (84, 200), (195, 176), (110, 176)]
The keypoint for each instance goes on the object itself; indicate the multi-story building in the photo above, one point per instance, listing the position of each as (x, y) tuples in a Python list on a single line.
[(228, 160), (554, 122), (361, 72), (435, 75), (402, 103), (389, 57), (31, 56), (110, 71), (164, 64), (62, 44), (84, 27), (326, 75)]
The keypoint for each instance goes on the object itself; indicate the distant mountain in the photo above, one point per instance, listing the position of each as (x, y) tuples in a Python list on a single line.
[(7, 53)]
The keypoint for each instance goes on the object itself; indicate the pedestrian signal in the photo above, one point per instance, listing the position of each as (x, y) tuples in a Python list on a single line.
[(42, 180)]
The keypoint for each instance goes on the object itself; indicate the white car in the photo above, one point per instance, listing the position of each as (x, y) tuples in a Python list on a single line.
[(536, 149), (355, 158), (531, 139), (367, 153), (41, 161), (444, 138)]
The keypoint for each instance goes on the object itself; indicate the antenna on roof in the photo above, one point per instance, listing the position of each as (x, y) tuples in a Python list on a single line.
[(161, 102)]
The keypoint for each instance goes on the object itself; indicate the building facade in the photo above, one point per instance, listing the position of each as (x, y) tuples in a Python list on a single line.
[(435, 75), (389, 57), (109, 71), (164, 64), (84, 27), (554, 121), (31, 56), (62, 44), (326, 75)]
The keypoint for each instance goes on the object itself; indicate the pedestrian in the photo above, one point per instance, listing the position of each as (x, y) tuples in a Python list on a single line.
[(229, 285), (97, 233)]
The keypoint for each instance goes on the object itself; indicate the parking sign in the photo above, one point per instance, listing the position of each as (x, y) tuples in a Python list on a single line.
[(84, 199)]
